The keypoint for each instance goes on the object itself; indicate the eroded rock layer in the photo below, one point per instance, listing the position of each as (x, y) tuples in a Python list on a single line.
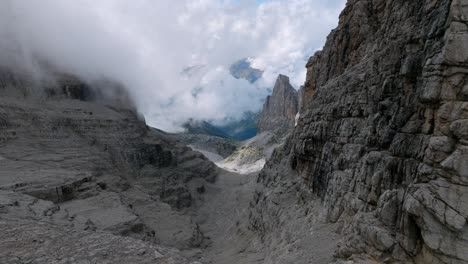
[(100, 185), (382, 140)]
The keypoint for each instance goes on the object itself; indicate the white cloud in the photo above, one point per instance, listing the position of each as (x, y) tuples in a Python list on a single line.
[(145, 45)]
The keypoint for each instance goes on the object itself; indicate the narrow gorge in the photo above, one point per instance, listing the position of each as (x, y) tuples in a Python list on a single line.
[(366, 163)]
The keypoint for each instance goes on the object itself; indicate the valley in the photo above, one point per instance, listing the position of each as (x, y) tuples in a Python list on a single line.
[(366, 163)]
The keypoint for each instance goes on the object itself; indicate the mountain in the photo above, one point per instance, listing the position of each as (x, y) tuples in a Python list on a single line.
[(278, 113), (242, 129), (243, 70), (373, 169), (260, 133), (79, 170), (273, 124), (204, 128), (380, 150), (280, 109)]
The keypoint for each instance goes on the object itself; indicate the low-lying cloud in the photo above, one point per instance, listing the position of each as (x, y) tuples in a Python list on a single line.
[(146, 45)]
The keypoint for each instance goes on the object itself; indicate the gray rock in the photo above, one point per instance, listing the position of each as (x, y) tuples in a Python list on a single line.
[(37, 242), (381, 138), (96, 178), (280, 109)]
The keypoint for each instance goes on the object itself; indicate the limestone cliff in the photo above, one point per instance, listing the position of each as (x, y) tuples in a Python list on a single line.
[(81, 173), (279, 110), (382, 142)]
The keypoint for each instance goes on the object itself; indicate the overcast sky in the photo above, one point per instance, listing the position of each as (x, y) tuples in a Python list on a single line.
[(145, 44)]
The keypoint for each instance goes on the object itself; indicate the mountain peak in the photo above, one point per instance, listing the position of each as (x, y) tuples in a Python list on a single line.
[(282, 78), (280, 109)]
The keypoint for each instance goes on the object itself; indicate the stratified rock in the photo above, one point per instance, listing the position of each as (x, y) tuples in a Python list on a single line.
[(250, 157), (300, 97), (280, 109), (27, 241), (217, 145), (78, 161), (381, 141)]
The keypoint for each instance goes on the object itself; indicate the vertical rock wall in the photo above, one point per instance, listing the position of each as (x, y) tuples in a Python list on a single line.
[(382, 140), (279, 110)]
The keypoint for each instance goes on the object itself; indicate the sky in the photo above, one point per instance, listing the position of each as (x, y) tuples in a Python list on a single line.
[(146, 45)]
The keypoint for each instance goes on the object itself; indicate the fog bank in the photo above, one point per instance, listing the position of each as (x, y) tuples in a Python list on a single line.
[(146, 45)]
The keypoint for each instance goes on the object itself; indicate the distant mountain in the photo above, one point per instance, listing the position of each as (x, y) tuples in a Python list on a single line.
[(204, 128), (280, 108), (243, 70), (242, 129)]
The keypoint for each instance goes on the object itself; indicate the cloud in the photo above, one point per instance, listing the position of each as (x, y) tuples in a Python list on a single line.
[(146, 45)]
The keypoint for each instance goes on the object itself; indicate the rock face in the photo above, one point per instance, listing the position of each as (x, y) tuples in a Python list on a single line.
[(38, 242), (94, 175), (218, 145), (382, 142), (251, 155), (280, 109)]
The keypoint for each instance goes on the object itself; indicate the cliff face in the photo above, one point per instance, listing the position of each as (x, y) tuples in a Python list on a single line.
[(279, 110), (382, 140), (94, 175)]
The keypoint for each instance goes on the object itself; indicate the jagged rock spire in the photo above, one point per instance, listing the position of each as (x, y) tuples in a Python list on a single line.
[(280, 109)]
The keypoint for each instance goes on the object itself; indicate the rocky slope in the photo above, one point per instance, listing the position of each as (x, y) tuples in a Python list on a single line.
[(82, 173), (277, 119), (236, 130), (280, 109), (220, 147), (375, 170), (380, 149), (251, 155)]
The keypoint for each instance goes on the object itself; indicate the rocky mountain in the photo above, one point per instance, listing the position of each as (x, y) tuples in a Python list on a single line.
[(197, 127), (374, 168), (280, 109), (276, 120), (380, 152), (250, 155), (221, 147), (85, 180), (241, 129)]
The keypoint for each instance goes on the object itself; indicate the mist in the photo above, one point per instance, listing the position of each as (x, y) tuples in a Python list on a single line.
[(146, 45)]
